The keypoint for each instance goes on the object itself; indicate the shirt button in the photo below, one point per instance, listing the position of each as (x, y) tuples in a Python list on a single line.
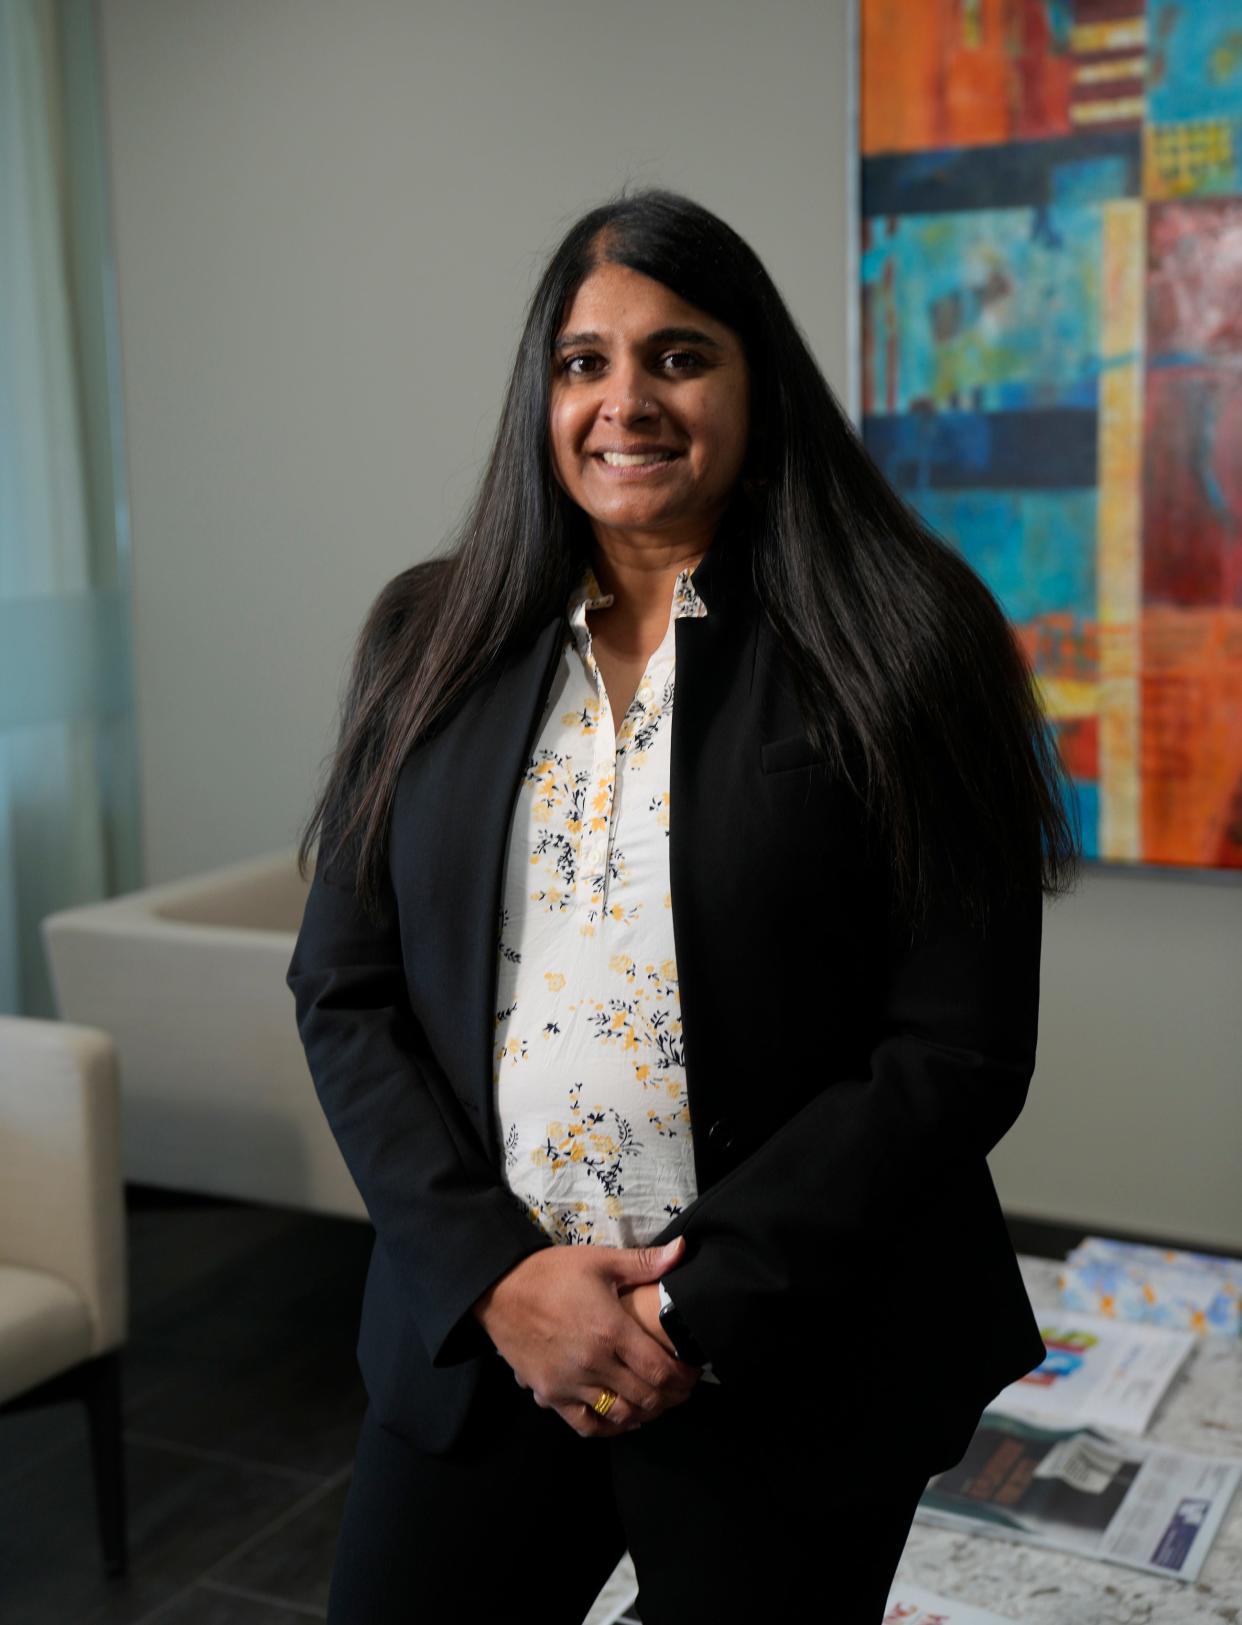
[(721, 1135)]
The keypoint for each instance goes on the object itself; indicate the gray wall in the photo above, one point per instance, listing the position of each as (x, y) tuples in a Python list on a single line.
[(328, 219)]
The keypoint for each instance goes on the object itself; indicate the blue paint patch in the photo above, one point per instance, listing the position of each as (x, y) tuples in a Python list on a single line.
[(1035, 549), (1029, 451), (1194, 98), (980, 306), (1195, 53), (1093, 180), (1091, 167), (1029, 395), (1087, 796)]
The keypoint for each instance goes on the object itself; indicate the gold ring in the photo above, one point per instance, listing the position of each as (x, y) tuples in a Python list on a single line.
[(607, 1399)]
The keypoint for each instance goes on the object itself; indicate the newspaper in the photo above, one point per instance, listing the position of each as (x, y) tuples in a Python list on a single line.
[(1080, 1489), (1109, 1373), (911, 1605)]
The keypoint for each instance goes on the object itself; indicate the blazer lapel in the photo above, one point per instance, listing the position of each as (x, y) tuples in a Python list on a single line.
[(451, 823), (715, 736)]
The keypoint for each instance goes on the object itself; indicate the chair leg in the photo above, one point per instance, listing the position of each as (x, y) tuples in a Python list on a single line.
[(101, 1389)]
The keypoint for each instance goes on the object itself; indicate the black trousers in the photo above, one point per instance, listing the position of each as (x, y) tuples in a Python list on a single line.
[(727, 1512)]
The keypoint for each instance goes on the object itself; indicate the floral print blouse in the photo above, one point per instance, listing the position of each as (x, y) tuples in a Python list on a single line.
[(588, 1059)]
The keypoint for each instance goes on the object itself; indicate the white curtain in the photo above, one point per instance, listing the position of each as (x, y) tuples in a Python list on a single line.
[(68, 820)]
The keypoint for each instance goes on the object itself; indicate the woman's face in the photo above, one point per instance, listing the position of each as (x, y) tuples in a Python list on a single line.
[(638, 372)]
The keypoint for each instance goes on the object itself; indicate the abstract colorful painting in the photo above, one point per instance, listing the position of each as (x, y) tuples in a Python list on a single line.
[(1050, 326)]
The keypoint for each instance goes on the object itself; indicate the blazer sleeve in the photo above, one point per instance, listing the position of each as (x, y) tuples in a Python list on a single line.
[(821, 1215), (449, 1225)]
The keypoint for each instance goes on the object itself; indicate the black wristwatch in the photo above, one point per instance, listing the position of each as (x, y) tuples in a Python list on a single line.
[(677, 1332)]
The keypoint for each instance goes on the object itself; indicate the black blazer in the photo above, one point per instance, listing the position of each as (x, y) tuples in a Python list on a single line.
[(846, 1255)]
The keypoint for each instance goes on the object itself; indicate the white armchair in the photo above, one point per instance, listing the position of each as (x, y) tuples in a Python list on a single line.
[(189, 978), (63, 1294)]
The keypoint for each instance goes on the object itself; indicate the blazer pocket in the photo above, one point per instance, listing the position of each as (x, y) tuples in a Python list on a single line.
[(783, 755)]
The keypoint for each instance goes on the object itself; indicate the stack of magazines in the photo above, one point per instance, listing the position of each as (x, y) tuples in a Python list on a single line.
[(1058, 1459)]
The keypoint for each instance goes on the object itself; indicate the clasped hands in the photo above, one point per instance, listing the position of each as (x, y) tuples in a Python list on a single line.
[(571, 1321)]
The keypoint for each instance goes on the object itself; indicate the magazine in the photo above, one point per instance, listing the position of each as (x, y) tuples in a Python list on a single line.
[(1109, 1373), (1197, 1292), (1080, 1489), (911, 1605)]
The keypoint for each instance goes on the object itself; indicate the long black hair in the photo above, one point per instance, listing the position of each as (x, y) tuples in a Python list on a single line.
[(912, 683)]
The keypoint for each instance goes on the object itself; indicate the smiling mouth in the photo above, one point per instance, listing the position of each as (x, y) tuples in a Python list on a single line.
[(619, 459)]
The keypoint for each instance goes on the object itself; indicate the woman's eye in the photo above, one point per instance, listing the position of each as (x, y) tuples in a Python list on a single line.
[(583, 364)]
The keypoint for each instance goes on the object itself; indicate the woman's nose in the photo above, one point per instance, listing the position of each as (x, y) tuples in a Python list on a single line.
[(627, 399)]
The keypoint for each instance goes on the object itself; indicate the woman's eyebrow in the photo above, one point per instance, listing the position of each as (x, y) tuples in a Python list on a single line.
[(662, 335)]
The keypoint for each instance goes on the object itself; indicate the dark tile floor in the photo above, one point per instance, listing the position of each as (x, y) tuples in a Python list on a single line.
[(242, 1405)]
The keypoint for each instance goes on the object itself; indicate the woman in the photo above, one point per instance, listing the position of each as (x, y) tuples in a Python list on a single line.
[(678, 892)]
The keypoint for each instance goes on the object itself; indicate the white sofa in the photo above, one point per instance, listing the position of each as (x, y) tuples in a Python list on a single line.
[(189, 979), (63, 1291)]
